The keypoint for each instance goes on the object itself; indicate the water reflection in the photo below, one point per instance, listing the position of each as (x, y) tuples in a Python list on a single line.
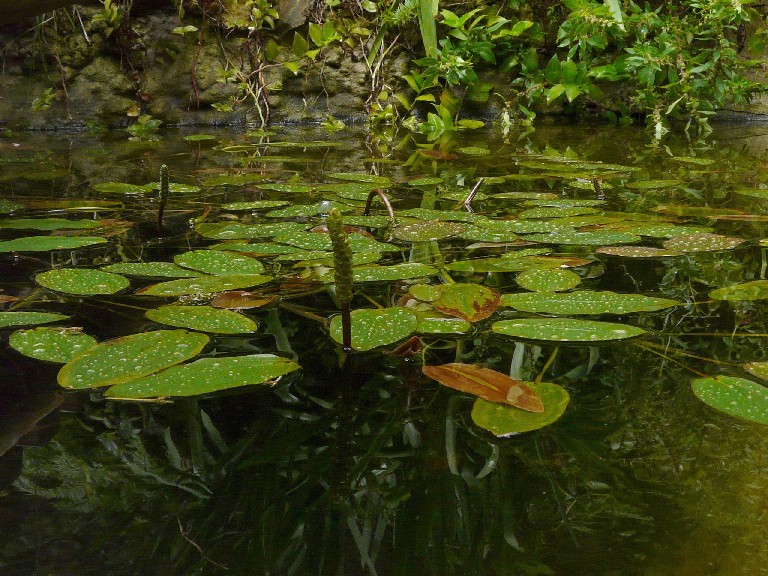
[(372, 469)]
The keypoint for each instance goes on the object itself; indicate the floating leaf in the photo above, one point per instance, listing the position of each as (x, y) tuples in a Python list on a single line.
[(734, 396), (759, 369), (446, 215), (504, 420), (219, 263), (203, 319), (152, 270), (591, 238), (482, 234), (425, 182), (637, 252), (755, 290), (176, 187), (474, 151), (51, 344), (130, 357), (6, 206), (358, 177), (565, 330), (73, 205), (585, 302), (205, 285), (82, 281), (372, 328), (122, 188), (542, 280), (403, 271), (48, 243), (28, 318), (654, 184), (255, 205), (48, 224), (512, 264), (237, 231), (206, 375), (470, 302), (487, 384), (431, 324), (427, 231), (696, 211), (238, 300), (703, 243), (200, 137), (556, 212)]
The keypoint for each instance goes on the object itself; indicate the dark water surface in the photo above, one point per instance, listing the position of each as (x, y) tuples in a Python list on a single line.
[(375, 468)]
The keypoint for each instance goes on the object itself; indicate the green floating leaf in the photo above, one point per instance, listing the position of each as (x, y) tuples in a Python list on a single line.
[(637, 252), (152, 270), (176, 187), (556, 212), (359, 177), (48, 224), (203, 319), (541, 280), (502, 420), (432, 324), (237, 231), (470, 302), (654, 184), (703, 243), (122, 188), (304, 210), (319, 241), (585, 302), (367, 221), (82, 281), (51, 344), (74, 205), (404, 271), (482, 234), (200, 137), (6, 206), (592, 238), (425, 182), (696, 211), (255, 205), (48, 243), (204, 285), (130, 357), (427, 231), (376, 327), (759, 369), (734, 396), (474, 151), (206, 375), (236, 180), (565, 330), (755, 290), (219, 263), (447, 215), (567, 203), (512, 264), (8, 319)]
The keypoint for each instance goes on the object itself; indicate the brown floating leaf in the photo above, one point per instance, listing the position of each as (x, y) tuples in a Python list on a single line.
[(238, 300), (487, 384)]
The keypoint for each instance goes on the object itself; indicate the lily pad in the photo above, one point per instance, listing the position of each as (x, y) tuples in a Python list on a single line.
[(755, 290), (404, 271), (130, 357), (48, 224), (759, 369), (372, 328), (255, 205), (240, 300), (427, 231), (431, 324), (513, 264), (591, 238), (359, 177), (152, 270), (734, 396), (203, 319), (219, 263), (470, 302), (557, 212), (703, 243), (48, 243), (637, 252), (654, 184), (122, 188), (82, 281), (502, 420), (204, 285), (237, 231), (565, 330), (542, 280), (445, 215), (28, 318), (206, 375), (51, 344), (585, 302), (483, 234)]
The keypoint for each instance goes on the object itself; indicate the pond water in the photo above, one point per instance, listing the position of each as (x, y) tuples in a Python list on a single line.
[(360, 464)]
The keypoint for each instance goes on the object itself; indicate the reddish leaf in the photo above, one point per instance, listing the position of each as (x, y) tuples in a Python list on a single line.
[(238, 300), (470, 302), (487, 384), (438, 154)]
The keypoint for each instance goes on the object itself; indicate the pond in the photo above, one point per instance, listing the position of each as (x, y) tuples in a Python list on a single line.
[(177, 397)]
